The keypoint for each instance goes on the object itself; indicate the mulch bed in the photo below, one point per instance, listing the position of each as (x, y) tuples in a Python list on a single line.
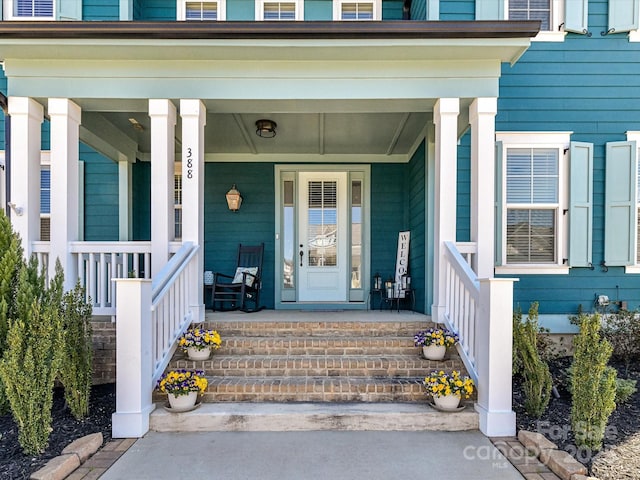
[(16, 465), (622, 438)]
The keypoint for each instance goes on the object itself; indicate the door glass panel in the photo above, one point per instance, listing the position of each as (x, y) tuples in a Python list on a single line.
[(322, 223), (356, 234), (288, 267)]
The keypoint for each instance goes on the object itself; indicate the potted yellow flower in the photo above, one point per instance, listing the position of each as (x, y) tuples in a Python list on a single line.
[(448, 389), (182, 388), (197, 343), (435, 341)]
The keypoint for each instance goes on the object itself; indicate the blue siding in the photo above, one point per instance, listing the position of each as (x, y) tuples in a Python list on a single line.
[(100, 196), (457, 10), (137, 9), (141, 200), (253, 224), (463, 207), (241, 10), (388, 196), (417, 207), (318, 10), (588, 85), (158, 10), (101, 10), (419, 10)]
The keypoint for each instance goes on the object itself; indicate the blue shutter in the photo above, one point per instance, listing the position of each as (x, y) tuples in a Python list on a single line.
[(620, 217), (498, 206), (433, 9), (490, 10), (576, 14), (580, 204), (623, 15), (69, 10)]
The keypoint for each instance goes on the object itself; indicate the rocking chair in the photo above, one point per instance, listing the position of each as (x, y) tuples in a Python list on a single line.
[(244, 287)]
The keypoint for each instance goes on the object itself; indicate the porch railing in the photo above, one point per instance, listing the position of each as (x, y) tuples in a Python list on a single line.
[(171, 312), (462, 299)]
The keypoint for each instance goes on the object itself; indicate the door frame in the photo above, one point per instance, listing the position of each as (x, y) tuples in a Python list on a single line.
[(356, 298)]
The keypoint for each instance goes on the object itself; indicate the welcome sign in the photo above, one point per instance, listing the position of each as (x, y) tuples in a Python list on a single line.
[(402, 260)]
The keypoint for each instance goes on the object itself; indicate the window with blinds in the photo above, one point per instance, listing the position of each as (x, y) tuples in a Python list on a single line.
[(33, 8), (45, 204), (531, 10), (532, 201), (279, 11), (323, 223), (357, 11), (201, 10)]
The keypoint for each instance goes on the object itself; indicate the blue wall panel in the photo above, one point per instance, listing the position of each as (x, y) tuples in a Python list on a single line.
[(101, 10), (392, 9), (252, 225), (463, 206), (241, 10), (318, 10), (457, 10), (590, 86), (100, 196), (419, 10), (158, 10), (141, 199), (417, 261)]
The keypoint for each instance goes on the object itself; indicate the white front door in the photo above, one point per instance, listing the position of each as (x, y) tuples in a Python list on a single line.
[(323, 237)]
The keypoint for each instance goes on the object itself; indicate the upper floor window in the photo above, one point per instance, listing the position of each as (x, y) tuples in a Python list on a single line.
[(203, 10), (29, 9), (284, 11), (357, 10), (551, 14)]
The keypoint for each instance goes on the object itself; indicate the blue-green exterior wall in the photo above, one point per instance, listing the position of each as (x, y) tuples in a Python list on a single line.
[(416, 175), (101, 10), (101, 217)]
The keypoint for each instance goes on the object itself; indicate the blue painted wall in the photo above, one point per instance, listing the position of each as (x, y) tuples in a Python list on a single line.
[(241, 10), (100, 196), (101, 10), (157, 10), (457, 10), (391, 10), (415, 172), (141, 200)]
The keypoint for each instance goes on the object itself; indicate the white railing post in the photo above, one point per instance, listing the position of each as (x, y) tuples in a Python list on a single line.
[(493, 353), (134, 369)]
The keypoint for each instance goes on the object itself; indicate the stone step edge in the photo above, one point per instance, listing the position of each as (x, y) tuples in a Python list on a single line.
[(283, 417)]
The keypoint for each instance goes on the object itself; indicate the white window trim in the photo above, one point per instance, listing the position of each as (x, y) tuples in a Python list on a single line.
[(557, 19), (377, 9), (634, 136), (181, 9), (260, 8), (634, 36), (556, 140), (7, 13)]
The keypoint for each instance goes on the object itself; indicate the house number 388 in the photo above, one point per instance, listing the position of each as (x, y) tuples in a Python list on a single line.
[(189, 163)]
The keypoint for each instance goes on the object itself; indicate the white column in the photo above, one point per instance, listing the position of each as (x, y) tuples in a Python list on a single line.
[(163, 123), (482, 113), (65, 187), (445, 118), (493, 358), (126, 10), (26, 119), (124, 199), (134, 366), (193, 113)]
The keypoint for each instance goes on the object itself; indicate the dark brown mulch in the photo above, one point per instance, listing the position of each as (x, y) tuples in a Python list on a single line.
[(16, 465), (555, 424)]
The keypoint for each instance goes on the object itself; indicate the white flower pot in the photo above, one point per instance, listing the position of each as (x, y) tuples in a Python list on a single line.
[(182, 402), (434, 352), (447, 402), (195, 354)]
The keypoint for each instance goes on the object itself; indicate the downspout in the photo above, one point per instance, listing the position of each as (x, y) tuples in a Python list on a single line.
[(4, 104)]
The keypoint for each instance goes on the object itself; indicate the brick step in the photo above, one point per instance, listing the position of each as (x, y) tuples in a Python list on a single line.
[(317, 346), (368, 329), (318, 366), (289, 417)]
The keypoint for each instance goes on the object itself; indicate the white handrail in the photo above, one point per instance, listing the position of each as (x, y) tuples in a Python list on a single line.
[(171, 313), (462, 293)]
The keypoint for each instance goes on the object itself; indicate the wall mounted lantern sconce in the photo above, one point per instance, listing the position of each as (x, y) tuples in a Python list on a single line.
[(234, 199), (266, 128)]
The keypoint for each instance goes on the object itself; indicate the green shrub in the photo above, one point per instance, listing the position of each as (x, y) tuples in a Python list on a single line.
[(537, 378), (76, 368), (625, 388), (10, 263), (622, 330), (593, 384), (31, 361)]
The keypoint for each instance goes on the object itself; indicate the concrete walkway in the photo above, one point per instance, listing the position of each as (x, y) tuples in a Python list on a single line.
[(333, 455)]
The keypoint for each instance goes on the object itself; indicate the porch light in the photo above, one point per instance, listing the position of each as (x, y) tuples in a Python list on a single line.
[(266, 128), (234, 199)]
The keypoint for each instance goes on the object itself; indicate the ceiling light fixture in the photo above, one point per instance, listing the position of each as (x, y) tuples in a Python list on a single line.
[(266, 128)]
